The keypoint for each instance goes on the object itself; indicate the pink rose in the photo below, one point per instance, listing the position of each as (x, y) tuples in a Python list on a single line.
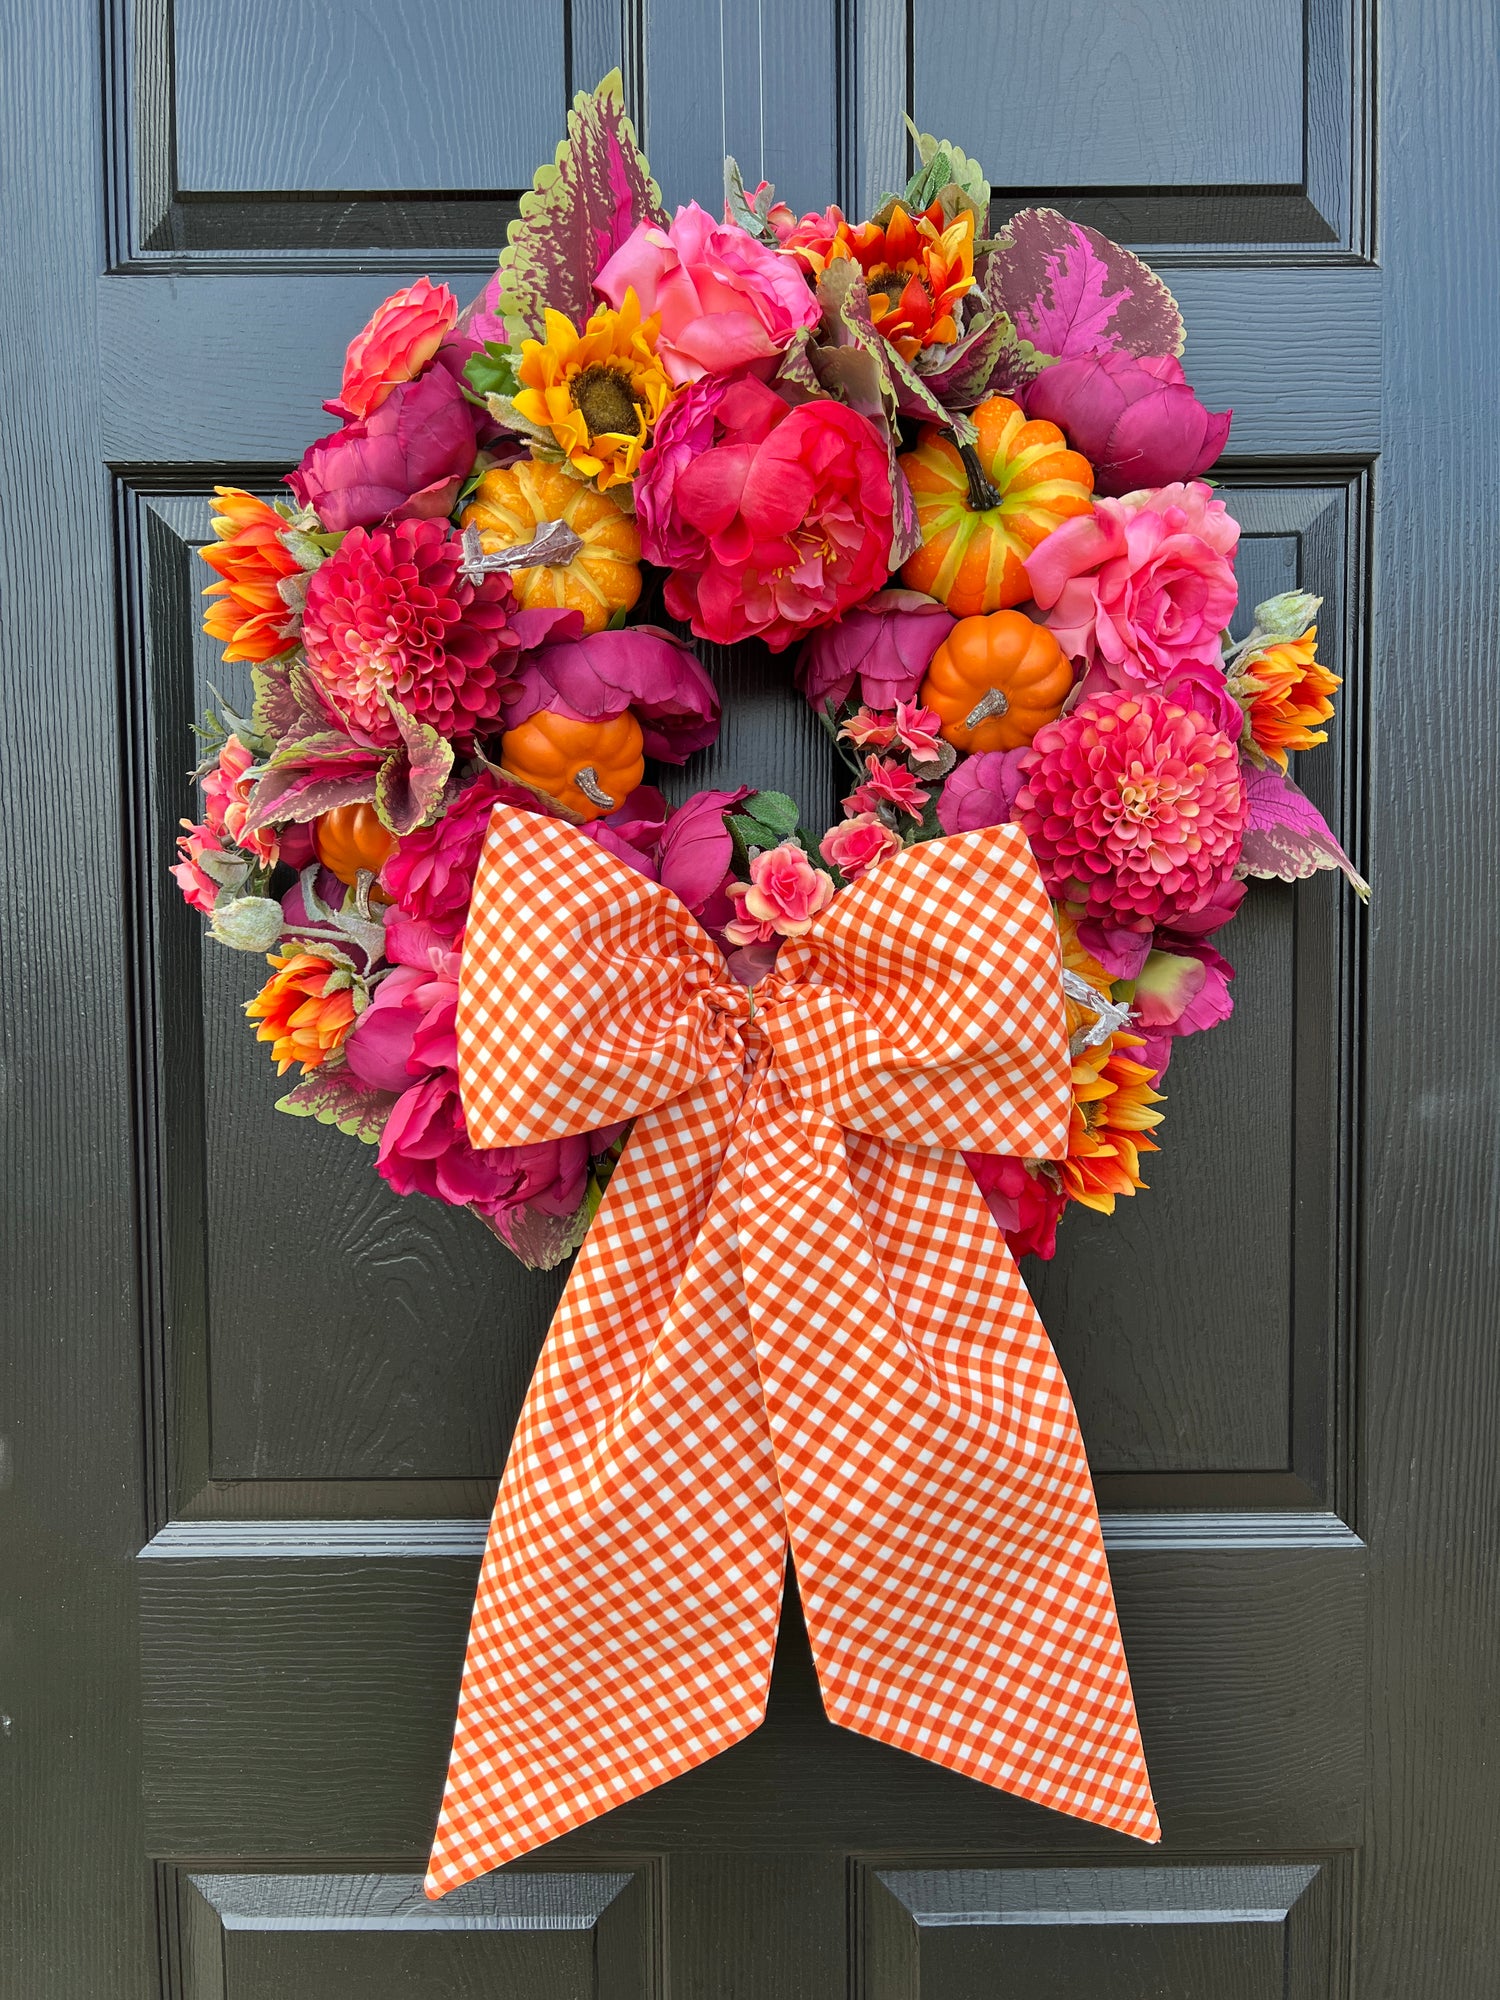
[(401, 338), (794, 508), (919, 731), (1143, 585), (785, 892), (726, 301), (887, 783), (857, 845), (199, 885), (1133, 417), (870, 729), (226, 802)]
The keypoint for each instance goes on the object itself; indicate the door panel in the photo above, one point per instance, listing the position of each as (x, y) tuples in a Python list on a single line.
[(262, 1405)]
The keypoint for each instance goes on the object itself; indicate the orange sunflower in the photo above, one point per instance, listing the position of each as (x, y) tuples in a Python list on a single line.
[(599, 392), (917, 268), (305, 1009), (250, 616), (1112, 1118), (1287, 693)]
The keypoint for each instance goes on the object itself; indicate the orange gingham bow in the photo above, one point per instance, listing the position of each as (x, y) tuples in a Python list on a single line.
[(793, 1321)]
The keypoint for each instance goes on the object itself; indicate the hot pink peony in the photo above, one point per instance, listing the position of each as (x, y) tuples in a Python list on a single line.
[(1142, 586), (785, 892), (1133, 417), (887, 783), (642, 668), (408, 458), (1134, 808), (1025, 1205), (389, 614), (424, 1149), (981, 791), (402, 336), (726, 301), (885, 644), (1182, 988), (794, 507), (685, 428), (430, 873), (859, 844)]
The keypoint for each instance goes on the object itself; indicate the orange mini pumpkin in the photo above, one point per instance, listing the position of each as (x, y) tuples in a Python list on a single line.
[(350, 841), (996, 680), (588, 767), (513, 503), (971, 557)]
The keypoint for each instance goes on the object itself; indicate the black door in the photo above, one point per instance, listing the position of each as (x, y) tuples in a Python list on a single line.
[(231, 1355)]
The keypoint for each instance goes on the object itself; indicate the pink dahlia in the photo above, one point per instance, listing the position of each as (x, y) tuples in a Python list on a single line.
[(1134, 808), (389, 615)]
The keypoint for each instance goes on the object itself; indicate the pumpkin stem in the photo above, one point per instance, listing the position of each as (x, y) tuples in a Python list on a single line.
[(587, 781), (991, 702), (554, 547), (983, 494)]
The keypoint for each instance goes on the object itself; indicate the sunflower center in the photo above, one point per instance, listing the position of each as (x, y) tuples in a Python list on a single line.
[(606, 400), (892, 284)]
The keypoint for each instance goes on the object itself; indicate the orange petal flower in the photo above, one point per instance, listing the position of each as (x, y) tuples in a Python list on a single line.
[(917, 268), (1112, 1118), (249, 616), (1286, 694), (305, 1009)]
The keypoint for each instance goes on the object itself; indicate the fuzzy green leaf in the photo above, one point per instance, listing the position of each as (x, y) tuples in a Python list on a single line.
[(492, 371)]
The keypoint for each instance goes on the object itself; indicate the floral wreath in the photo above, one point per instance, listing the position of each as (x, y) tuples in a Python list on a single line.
[(958, 477)]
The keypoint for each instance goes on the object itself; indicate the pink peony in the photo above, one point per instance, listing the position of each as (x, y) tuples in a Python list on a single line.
[(857, 845), (408, 458), (726, 301), (1133, 417), (884, 644), (424, 1149), (226, 801), (430, 873), (402, 336), (794, 508), (685, 428), (981, 791), (887, 783), (785, 892), (389, 614), (642, 668), (1134, 808), (1144, 586), (695, 855), (1182, 988), (1025, 1205)]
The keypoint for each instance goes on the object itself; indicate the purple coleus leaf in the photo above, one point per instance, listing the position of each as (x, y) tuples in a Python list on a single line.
[(1070, 291), (334, 1095), (1286, 837), (575, 216)]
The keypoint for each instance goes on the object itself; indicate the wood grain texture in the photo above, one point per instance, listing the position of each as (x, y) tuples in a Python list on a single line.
[(1430, 1474), (306, 97), (1247, 1669)]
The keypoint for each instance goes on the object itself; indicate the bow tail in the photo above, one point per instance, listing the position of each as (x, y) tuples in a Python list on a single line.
[(938, 1500), (627, 1610)]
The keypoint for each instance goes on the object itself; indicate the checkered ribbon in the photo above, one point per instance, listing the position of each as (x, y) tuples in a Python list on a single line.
[(793, 1322)]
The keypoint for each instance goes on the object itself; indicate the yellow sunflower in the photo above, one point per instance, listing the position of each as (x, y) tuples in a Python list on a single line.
[(599, 392)]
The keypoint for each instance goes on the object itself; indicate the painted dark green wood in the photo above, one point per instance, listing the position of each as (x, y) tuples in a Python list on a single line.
[(227, 1347)]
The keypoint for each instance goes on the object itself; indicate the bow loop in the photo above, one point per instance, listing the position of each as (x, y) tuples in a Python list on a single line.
[(930, 1007), (589, 994)]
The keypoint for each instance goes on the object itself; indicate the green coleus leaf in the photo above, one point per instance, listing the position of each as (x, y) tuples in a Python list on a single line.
[(576, 214), (335, 1096), (492, 371)]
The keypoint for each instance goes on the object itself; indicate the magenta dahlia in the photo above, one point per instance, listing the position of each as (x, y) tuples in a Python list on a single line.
[(389, 614), (1134, 808)]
